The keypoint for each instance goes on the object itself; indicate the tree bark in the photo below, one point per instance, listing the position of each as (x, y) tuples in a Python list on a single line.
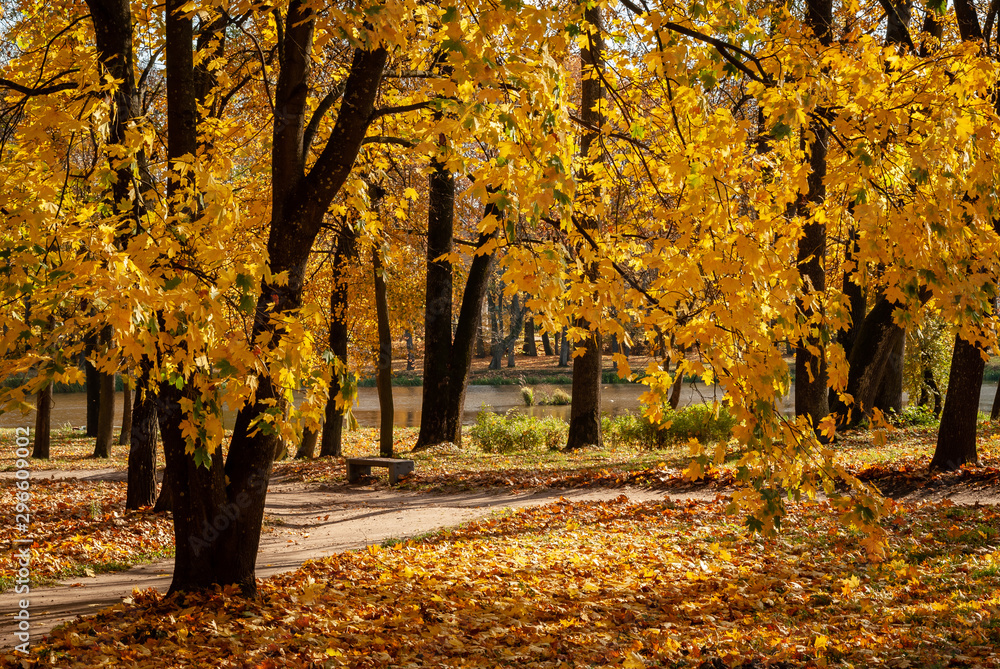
[(409, 351), (142, 448), (126, 430), (546, 344), (530, 348), (93, 388), (307, 449), (106, 415), (515, 309), (890, 392), (331, 444), (811, 393), (956, 442), (383, 374), (438, 309), (43, 423), (876, 340), (563, 347), (585, 410)]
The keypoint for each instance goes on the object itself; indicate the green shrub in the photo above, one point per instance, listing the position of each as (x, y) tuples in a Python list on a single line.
[(914, 415), (528, 395), (559, 397), (698, 421), (516, 432)]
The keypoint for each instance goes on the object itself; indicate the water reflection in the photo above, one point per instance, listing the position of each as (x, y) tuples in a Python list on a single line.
[(71, 409)]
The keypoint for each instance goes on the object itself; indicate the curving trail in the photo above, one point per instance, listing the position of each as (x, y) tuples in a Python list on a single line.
[(306, 523)]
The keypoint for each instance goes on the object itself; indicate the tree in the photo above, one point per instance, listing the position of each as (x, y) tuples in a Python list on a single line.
[(211, 550), (585, 412)]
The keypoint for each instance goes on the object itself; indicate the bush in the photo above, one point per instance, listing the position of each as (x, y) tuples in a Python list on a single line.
[(914, 415), (528, 395), (516, 432), (558, 398), (698, 421)]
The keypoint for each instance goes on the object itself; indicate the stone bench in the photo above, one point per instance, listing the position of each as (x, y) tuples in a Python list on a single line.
[(358, 467)]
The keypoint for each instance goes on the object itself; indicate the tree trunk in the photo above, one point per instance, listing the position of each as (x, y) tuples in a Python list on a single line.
[(126, 431), (811, 393), (956, 442), (931, 390), (890, 392), (514, 309), (106, 416), (460, 358), (675, 389), (142, 448), (563, 347), (43, 423), (331, 444), (994, 411), (585, 411), (876, 340), (438, 310), (307, 449), (529, 337), (383, 374), (546, 344), (480, 343), (409, 352), (495, 328), (93, 389)]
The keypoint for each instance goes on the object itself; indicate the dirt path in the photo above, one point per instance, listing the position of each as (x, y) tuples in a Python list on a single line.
[(306, 523)]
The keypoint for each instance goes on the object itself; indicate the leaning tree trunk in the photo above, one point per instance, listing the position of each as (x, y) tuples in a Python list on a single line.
[(874, 344), (546, 344), (956, 442), (142, 448), (43, 423), (383, 373), (307, 449)]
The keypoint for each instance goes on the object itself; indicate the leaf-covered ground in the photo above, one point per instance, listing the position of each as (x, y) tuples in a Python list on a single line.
[(593, 585), (69, 450), (80, 528)]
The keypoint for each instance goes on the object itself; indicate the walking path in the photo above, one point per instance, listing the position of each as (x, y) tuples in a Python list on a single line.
[(307, 523)]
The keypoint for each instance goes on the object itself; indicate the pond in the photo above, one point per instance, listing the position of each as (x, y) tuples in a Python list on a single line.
[(70, 409)]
